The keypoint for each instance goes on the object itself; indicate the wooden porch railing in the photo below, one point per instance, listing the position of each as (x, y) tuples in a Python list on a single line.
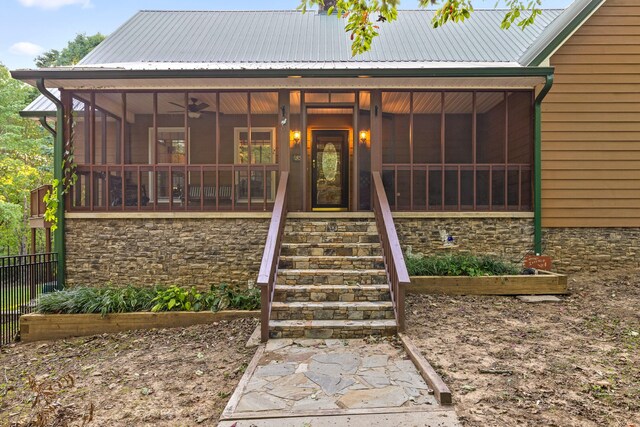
[(391, 250), (38, 206), (269, 266)]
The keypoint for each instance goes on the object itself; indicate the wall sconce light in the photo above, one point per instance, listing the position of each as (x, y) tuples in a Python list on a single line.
[(295, 147), (363, 137)]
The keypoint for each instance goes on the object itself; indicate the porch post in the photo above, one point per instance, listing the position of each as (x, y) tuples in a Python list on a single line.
[(376, 131), (58, 148), (284, 130), (537, 166)]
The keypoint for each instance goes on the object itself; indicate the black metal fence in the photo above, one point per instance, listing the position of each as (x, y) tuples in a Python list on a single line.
[(23, 278)]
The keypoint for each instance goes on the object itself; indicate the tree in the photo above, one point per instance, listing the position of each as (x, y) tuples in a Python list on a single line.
[(360, 15), (76, 49)]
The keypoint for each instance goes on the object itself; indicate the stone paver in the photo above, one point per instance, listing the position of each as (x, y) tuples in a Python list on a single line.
[(538, 298), (315, 375)]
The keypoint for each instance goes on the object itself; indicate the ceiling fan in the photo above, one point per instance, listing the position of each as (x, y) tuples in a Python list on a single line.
[(194, 110)]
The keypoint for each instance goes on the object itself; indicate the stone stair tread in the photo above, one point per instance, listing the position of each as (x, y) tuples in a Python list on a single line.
[(320, 288), (362, 305), (332, 244), (329, 324), (326, 271), (331, 257)]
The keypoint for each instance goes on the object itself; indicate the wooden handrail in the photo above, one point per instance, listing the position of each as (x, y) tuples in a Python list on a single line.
[(271, 255), (391, 250)]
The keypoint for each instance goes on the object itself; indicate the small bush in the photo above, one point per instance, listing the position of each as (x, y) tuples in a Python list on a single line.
[(97, 300), (458, 265), (131, 299)]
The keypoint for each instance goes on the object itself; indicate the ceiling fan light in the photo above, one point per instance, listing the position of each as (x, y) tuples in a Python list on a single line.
[(194, 114)]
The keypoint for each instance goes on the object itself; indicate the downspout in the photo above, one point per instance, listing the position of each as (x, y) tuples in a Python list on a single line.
[(58, 148), (537, 165)]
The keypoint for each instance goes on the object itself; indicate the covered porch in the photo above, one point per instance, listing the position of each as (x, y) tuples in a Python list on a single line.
[(442, 145)]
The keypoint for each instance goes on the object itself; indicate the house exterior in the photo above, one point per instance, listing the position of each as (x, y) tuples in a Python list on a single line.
[(182, 124)]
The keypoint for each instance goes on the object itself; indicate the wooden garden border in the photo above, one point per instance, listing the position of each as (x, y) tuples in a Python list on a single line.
[(39, 327), (544, 283)]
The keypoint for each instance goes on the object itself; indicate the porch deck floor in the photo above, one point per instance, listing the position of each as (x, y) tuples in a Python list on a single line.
[(334, 382)]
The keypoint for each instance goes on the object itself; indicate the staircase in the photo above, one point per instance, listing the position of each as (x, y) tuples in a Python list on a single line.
[(331, 281)]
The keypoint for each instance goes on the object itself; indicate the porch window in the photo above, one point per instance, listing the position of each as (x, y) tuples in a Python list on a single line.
[(457, 151)]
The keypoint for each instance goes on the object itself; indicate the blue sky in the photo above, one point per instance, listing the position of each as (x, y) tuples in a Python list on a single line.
[(31, 26)]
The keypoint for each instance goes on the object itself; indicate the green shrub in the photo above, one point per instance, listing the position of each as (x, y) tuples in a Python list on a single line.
[(458, 265), (97, 300), (176, 298), (131, 299)]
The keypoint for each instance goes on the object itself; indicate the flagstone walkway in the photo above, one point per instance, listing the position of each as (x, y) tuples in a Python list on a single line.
[(319, 382)]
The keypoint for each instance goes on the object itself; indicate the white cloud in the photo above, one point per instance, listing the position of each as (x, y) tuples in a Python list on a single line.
[(26, 48), (54, 4)]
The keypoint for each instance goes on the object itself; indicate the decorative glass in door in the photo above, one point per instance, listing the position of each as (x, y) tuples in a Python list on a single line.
[(330, 169)]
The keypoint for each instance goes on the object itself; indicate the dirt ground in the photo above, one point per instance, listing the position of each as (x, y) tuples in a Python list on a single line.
[(170, 377), (510, 363)]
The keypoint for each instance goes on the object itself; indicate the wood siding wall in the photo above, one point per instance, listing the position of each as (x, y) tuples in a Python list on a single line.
[(591, 124)]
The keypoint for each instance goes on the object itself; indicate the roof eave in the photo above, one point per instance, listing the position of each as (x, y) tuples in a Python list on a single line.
[(117, 74), (554, 36)]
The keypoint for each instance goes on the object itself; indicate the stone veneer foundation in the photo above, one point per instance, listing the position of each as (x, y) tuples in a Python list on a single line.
[(572, 249), (508, 238), (592, 249), (205, 251), (185, 251)]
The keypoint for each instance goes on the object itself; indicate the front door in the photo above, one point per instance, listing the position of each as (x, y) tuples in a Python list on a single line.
[(330, 170)]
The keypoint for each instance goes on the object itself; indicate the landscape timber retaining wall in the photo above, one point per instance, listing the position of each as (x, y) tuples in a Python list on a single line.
[(149, 251), (39, 327)]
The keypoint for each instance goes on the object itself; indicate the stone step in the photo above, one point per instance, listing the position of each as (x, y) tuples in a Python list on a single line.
[(338, 225), (331, 237), (334, 310), (332, 262), (320, 293), (339, 329), (330, 249), (331, 277)]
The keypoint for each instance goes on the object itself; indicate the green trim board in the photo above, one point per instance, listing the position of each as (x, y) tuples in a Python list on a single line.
[(566, 29), (58, 148), (537, 165)]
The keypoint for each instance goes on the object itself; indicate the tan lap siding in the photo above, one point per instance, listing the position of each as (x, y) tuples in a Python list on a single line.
[(591, 124)]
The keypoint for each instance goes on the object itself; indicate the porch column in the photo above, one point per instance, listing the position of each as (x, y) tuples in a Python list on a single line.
[(537, 166), (376, 131), (284, 131)]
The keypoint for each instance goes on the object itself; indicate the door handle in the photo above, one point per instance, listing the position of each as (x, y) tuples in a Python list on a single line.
[(313, 164)]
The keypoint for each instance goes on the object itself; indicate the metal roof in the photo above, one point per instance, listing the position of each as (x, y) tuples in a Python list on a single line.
[(281, 39)]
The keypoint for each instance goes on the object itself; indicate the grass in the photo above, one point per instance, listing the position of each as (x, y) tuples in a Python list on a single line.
[(458, 265), (14, 297), (88, 300)]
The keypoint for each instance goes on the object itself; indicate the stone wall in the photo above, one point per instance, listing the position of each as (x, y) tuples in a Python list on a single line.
[(508, 238), (572, 249), (592, 249), (145, 252)]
